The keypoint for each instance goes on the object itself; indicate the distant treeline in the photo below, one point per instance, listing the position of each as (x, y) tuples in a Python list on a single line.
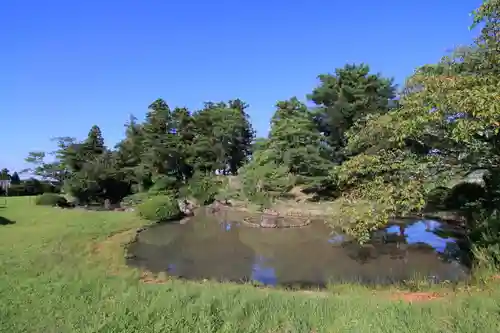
[(21, 187)]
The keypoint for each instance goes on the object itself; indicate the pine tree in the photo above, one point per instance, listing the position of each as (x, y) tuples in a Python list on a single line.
[(346, 97), (93, 146), (294, 141), (155, 154), (15, 179), (4, 174), (128, 151)]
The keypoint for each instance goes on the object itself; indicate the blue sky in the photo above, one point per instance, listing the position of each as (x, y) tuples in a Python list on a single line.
[(67, 65)]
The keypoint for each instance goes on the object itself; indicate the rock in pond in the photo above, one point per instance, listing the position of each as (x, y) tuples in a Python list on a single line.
[(269, 221), (186, 207)]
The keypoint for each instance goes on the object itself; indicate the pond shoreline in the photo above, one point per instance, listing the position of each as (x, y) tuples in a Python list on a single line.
[(154, 252), (396, 292)]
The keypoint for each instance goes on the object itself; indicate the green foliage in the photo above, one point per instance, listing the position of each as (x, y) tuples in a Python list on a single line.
[(4, 174), (97, 180), (163, 184), (295, 151), (263, 180), (51, 199), (223, 137), (159, 209), (158, 150), (159, 156), (230, 189), (203, 188), (385, 157), (55, 170), (134, 199), (446, 125), (295, 142), (15, 179), (30, 186), (347, 97)]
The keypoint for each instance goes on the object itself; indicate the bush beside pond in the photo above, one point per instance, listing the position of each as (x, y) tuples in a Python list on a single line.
[(51, 199), (202, 188), (134, 199), (160, 209)]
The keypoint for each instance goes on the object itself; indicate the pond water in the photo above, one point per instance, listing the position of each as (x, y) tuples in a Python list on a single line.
[(218, 247)]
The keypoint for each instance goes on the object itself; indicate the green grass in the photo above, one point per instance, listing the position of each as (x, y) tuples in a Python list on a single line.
[(61, 273)]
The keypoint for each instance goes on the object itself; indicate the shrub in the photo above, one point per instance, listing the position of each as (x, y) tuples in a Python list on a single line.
[(264, 182), (203, 188), (160, 209), (163, 185), (51, 199), (134, 199), (229, 189)]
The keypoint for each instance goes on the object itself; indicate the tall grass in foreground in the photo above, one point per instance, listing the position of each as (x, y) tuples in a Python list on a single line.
[(61, 273)]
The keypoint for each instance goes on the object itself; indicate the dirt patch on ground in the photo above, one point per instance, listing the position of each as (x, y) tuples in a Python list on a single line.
[(413, 297)]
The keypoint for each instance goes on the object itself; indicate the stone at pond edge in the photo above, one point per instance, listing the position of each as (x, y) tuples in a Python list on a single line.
[(268, 221), (186, 207), (129, 256)]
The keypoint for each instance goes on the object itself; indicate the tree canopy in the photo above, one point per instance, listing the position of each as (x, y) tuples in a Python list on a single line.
[(447, 126)]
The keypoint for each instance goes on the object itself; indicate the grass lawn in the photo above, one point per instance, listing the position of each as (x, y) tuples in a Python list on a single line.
[(61, 272)]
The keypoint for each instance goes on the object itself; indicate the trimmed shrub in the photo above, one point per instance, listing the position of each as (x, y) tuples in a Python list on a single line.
[(264, 182), (163, 185), (203, 188), (51, 199), (160, 209)]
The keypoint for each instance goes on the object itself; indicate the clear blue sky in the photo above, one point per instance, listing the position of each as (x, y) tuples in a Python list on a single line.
[(66, 65)]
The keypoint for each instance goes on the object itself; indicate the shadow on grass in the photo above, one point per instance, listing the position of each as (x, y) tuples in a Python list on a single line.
[(5, 221)]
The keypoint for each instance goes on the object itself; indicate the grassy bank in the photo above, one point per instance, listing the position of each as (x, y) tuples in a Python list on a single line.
[(61, 272)]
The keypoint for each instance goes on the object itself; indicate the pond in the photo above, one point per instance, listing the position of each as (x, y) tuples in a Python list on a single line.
[(221, 248)]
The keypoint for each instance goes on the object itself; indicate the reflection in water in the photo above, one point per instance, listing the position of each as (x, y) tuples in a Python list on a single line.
[(336, 239), (263, 274), (423, 232), (216, 248), (171, 268)]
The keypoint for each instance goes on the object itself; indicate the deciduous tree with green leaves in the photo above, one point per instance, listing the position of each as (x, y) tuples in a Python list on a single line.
[(454, 113)]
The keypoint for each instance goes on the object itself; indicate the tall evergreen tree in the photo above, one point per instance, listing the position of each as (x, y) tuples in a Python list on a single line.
[(223, 136), (4, 174), (244, 134), (93, 146), (155, 154), (15, 179), (128, 153), (347, 96), (183, 132), (208, 153), (294, 141)]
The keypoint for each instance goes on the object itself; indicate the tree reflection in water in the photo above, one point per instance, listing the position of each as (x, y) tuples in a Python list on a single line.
[(218, 247)]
